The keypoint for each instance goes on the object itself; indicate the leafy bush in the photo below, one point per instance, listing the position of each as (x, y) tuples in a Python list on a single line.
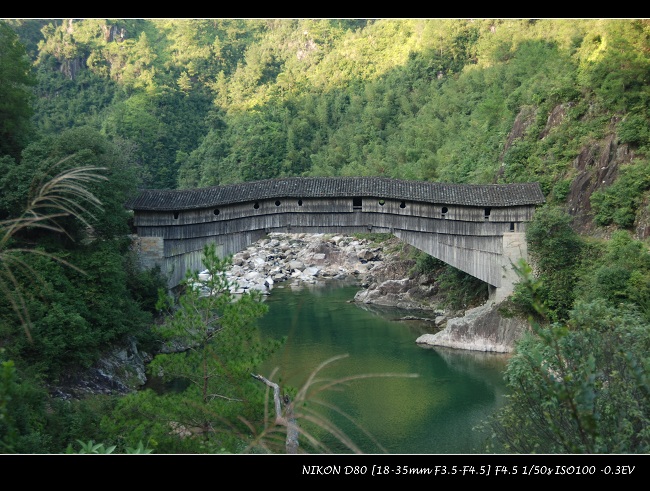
[(561, 190), (426, 264), (634, 130), (22, 413), (555, 250), (459, 290), (619, 274), (90, 447), (579, 387), (619, 202)]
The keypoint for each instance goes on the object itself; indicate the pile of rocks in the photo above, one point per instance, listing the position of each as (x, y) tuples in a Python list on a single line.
[(381, 269), (300, 258)]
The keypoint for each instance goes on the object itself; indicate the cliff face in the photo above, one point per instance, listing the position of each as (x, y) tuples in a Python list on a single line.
[(596, 167)]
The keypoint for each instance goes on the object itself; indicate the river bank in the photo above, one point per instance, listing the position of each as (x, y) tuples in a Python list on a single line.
[(383, 268)]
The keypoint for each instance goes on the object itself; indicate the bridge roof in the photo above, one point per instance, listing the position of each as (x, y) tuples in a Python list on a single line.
[(340, 187)]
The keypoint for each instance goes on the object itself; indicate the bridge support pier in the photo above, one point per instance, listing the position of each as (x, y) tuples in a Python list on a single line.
[(149, 250), (514, 249)]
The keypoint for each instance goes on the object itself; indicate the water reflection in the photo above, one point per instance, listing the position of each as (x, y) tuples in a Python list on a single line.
[(432, 413)]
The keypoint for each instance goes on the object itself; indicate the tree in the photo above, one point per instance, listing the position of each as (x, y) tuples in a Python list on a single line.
[(578, 387), (208, 310), (16, 80), (211, 347)]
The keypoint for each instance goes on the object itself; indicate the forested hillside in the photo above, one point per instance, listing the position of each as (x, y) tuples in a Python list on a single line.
[(166, 103), (215, 101)]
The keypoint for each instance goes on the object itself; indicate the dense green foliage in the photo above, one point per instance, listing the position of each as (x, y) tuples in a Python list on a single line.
[(15, 94), (618, 204), (165, 103), (554, 247), (580, 386), (216, 399), (75, 313), (214, 101)]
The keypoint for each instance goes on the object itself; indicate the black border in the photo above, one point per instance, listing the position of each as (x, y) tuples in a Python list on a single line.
[(319, 468)]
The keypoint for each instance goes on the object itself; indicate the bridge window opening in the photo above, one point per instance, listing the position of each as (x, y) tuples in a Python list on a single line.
[(487, 213), (444, 211), (277, 202), (216, 211), (402, 205), (299, 202), (512, 226), (382, 202), (176, 215), (256, 205), (356, 203)]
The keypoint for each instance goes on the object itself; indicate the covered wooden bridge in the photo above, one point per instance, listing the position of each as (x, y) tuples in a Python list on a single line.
[(479, 229)]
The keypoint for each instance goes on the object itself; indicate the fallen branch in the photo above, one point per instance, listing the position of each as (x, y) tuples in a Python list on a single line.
[(288, 419)]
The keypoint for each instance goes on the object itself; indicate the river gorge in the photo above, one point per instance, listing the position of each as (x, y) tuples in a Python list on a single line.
[(350, 304)]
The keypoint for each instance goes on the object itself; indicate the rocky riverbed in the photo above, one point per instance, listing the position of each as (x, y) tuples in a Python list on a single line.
[(384, 270), (380, 267), (379, 264), (300, 259)]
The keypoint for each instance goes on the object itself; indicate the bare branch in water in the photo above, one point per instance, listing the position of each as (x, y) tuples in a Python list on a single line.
[(288, 419)]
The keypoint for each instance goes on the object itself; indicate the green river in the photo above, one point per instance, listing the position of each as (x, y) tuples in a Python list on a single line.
[(432, 413)]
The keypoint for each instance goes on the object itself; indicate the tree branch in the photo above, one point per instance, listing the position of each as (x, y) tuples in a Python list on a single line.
[(288, 419)]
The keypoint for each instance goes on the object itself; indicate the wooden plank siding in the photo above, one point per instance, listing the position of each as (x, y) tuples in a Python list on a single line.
[(392, 207), (187, 229)]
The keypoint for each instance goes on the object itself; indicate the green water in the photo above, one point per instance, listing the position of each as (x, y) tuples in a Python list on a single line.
[(433, 413)]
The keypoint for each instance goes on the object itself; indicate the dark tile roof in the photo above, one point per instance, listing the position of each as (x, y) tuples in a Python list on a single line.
[(338, 187)]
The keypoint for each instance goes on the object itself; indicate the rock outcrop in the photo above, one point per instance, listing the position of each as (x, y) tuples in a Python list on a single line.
[(120, 371), (482, 328)]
